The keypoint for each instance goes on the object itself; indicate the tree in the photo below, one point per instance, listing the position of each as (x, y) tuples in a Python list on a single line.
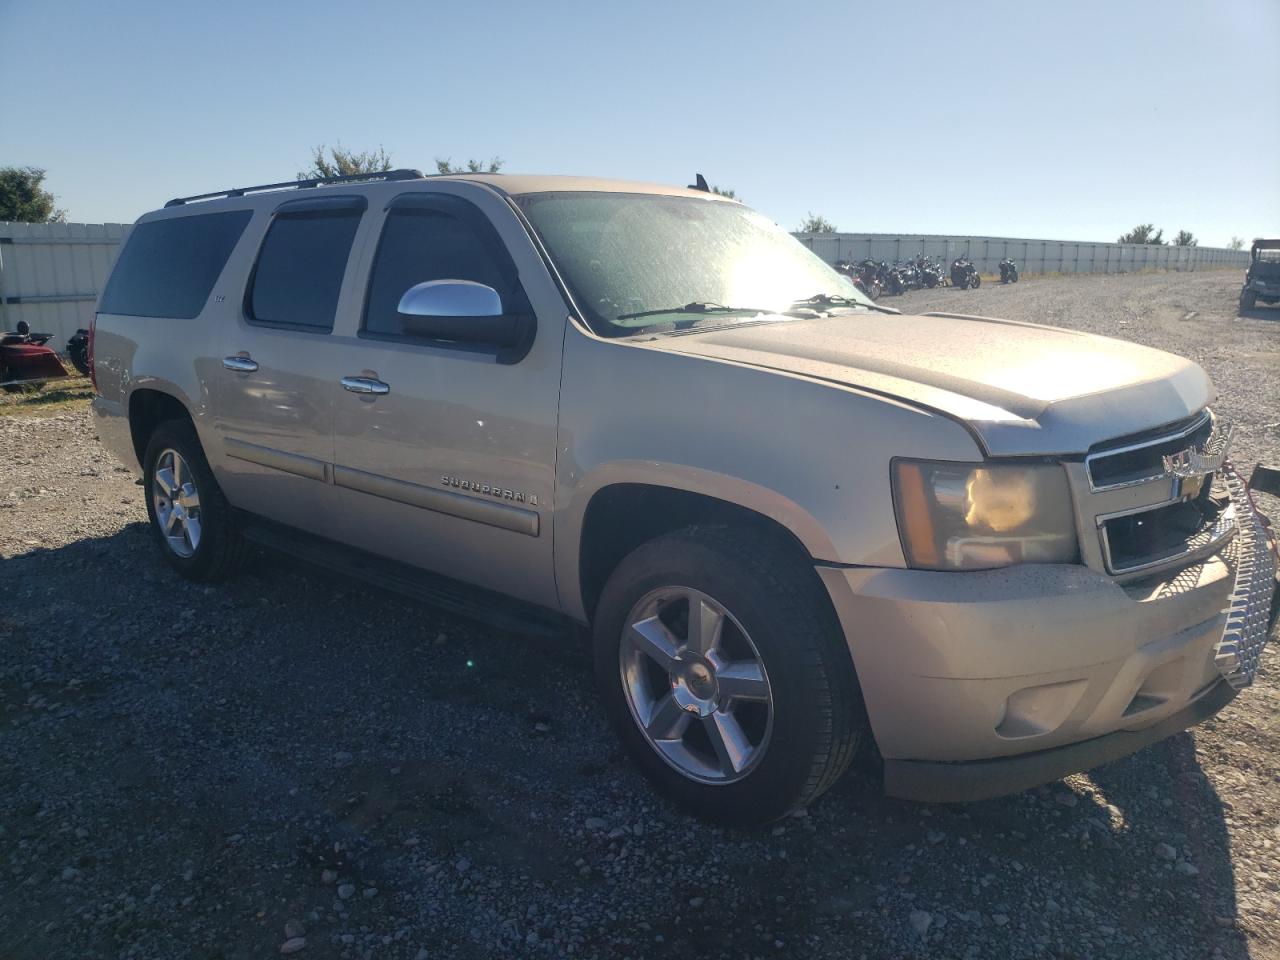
[(1185, 239), (473, 166), (23, 198), (341, 162), (816, 224), (1235, 244), (1143, 233), (724, 191)]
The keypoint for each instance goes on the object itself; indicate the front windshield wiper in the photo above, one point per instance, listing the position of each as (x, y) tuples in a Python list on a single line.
[(838, 300), (698, 306)]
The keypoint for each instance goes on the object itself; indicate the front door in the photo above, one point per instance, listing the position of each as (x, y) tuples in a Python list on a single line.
[(450, 465), (281, 368)]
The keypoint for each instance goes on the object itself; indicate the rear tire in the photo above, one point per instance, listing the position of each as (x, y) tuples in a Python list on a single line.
[(190, 518), (1248, 300), (795, 723)]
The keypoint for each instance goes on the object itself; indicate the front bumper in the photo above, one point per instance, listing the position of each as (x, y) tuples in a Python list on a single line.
[(980, 684)]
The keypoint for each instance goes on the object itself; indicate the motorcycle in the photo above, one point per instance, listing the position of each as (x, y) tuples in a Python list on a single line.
[(910, 275), (964, 274), (930, 272), (25, 362), (78, 351), (853, 273), (1008, 271)]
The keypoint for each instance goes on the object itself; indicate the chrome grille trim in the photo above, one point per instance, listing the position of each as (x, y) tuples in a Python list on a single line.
[(1248, 611), (1158, 474), (1207, 540)]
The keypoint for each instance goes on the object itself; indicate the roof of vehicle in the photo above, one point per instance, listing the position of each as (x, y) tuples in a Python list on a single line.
[(510, 184)]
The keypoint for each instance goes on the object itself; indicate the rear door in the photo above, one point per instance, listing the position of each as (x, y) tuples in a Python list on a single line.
[(451, 469), (280, 366)]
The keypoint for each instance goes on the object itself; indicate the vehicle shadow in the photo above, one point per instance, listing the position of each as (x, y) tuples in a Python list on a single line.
[(330, 726)]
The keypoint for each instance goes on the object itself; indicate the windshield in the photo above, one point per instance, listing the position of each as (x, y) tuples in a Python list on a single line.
[(637, 261)]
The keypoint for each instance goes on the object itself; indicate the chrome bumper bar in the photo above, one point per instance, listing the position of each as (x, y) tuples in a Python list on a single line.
[(1251, 607)]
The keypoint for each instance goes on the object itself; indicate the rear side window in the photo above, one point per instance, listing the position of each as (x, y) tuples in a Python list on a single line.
[(168, 267), (435, 237), (299, 272)]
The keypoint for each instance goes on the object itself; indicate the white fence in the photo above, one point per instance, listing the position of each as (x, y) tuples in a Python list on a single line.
[(51, 274), (1032, 256)]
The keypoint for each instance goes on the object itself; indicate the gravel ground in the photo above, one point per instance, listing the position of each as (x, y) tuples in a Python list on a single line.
[(290, 763)]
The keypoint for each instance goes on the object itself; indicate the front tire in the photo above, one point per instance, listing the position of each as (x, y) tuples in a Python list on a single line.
[(1248, 300), (190, 518), (724, 670), (976, 282)]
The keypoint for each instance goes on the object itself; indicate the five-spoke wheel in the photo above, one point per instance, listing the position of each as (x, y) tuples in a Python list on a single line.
[(177, 503), (696, 685)]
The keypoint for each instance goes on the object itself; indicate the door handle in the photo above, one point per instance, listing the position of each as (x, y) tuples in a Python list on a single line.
[(366, 385), (240, 364)]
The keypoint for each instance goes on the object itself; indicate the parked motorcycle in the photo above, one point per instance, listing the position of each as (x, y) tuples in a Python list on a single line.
[(25, 362), (78, 351), (930, 272), (910, 275), (1008, 271), (964, 274)]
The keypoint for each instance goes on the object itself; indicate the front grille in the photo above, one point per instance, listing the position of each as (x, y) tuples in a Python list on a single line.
[(1150, 517), (1140, 458), (1164, 534)]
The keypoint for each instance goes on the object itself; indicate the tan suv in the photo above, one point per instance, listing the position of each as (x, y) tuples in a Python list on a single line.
[(793, 518)]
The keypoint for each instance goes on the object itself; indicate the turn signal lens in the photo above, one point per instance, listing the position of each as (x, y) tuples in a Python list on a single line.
[(965, 516)]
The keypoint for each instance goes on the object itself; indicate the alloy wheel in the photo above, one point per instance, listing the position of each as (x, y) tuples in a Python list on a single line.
[(177, 503), (696, 685)]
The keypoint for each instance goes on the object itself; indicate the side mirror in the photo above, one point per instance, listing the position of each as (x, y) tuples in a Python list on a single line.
[(462, 311)]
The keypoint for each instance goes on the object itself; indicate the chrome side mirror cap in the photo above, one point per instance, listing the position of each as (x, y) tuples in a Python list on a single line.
[(450, 298), (465, 312)]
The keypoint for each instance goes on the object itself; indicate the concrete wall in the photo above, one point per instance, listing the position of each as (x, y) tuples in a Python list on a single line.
[(51, 274), (1032, 256)]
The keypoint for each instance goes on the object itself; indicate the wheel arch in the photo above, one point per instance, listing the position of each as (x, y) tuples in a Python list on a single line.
[(619, 514), (149, 407)]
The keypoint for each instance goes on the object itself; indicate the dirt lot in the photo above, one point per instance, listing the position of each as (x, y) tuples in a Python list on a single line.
[(294, 762)]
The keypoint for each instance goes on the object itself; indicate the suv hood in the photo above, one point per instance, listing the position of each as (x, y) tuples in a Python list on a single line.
[(1022, 388)]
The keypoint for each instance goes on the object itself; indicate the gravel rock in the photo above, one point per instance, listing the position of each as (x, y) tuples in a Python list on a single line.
[(921, 921), (293, 945), (145, 721), (346, 891)]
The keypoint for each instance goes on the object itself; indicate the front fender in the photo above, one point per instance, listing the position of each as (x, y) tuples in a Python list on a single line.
[(810, 455)]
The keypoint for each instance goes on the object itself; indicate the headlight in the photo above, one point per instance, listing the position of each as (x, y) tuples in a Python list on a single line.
[(970, 516)]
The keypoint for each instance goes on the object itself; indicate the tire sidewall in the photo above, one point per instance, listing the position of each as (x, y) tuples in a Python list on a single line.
[(770, 789)]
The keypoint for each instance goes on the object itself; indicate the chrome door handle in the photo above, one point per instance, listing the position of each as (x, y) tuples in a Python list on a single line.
[(365, 385), (240, 364)]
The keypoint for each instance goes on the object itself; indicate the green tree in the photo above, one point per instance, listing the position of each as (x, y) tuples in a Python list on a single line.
[(1185, 239), (1143, 233), (472, 166), (1235, 243), (340, 162), (24, 199), (814, 223), (725, 192)]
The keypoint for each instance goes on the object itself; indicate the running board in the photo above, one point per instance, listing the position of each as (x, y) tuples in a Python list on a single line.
[(466, 600)]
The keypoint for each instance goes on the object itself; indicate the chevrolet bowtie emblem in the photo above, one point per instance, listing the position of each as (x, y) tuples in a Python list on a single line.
[(1190, 463)]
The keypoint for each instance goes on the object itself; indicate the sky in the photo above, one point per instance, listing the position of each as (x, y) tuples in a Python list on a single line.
[(1071, 120)]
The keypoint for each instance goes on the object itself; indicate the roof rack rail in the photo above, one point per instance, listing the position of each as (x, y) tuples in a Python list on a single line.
[(300, 184)]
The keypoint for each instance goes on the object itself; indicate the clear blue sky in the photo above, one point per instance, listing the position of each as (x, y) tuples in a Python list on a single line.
[(1070, 120)]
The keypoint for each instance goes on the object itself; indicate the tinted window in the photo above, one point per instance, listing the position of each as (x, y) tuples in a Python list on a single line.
[(422, 245), (168, 267), (299, 271)]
